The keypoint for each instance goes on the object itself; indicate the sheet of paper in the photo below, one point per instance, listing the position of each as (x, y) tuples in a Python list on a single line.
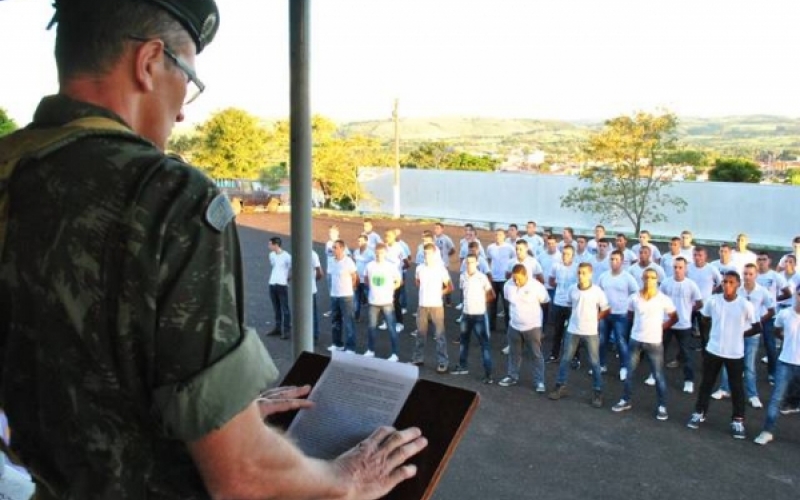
[(353, 397)]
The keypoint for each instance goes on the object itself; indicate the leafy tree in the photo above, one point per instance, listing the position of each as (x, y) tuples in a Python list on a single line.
[(184, 145), (429, 155), (735, 170), (691, 157), (7, 124), (273, 175), (466, 161), (793, 176), (633, 180), (232, 145)]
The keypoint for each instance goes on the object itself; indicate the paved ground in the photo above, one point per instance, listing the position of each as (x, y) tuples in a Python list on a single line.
[(521, 445)]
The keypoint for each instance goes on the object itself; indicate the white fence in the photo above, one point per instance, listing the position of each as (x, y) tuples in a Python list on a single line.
[(717, 211)]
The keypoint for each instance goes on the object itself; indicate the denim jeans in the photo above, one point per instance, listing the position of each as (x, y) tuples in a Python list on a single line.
[(792, 396), (750, 352), (559, 315), (425, 316), (315, 320), (712, 364), (768, 330), (402, 295), (388, 314), (359, 300), (546, 312), (684, 337), (784, 374), (279, 294), (531, 342), (615, 325), (342, 319), (475, 323), (655, 356), (571, 343)]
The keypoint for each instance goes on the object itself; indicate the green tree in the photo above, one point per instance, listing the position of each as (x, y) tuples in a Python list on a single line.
[(793, 176), (232, 144), (184, 145), (429, 155), (466, 161), (273, 175), (7, 124), (735, 170), (633, 179), (691, 157)]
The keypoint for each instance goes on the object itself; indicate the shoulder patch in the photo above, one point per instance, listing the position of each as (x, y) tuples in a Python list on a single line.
[(219, 212)]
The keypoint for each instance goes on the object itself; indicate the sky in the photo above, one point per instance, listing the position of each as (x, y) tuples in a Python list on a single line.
[(541, 59)]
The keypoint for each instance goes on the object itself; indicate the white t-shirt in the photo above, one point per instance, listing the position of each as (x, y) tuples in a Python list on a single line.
[(531, 264), (792, 281), (483, 266), (724, 268), (773, 281), (362, 259), (706, 277), (525, 301), (684, 295), (464, 248), (599, 267), (789, 320), (561, 245), (281, 266), (474, 288), (373, 239), (565, 277), (729, 321), (396, 254), (585, 306), (637, 271), (432, 280), (618, 288), (381, 277), (341, 272), (314, 265), (547, 262), (329, 255), (740, 259), (586, 256), (759, 296), (445, 245), (499, 256), (648, 317), (628, 258), (667, 263), (420, 258), (655, 253), (535, 242)]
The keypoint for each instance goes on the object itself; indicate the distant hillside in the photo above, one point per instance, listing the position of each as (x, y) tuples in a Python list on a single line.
[(434, 129)]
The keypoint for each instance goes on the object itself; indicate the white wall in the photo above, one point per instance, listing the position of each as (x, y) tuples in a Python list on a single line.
[(716, 211)]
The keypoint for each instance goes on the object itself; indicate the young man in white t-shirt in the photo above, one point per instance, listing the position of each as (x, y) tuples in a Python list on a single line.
[(446, 249), (535, 270), (562, 276), (316, 268), (787, 327), (647, 311), (644, 241), (281, 263), (708, 280), (477, 292), (535, 242), (644, 263), (618, 285), (527, 298), (685, 295), (628, 256), (792, 278), (668, 259), (732, 319), (600, 260), (433, 281), (599, 235), (498, 254), (725, 262), (778, 288), (687, 247), (362, 256), (344, 280), (381, 279), (589, 305), (333, 235), (741, 255), (397, 255), (567, 239), (582, 253), (373, 238)]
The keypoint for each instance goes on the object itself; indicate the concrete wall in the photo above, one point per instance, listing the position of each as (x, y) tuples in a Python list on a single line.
[(717, 211)]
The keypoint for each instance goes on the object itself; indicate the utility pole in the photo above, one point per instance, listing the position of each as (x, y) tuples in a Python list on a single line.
[(396, 118)]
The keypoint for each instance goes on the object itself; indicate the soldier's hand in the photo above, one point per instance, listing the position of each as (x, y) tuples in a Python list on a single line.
[(376, 465), (282, 399)]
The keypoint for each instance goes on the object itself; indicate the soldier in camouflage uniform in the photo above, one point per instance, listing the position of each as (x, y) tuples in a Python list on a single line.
[(127, 371)]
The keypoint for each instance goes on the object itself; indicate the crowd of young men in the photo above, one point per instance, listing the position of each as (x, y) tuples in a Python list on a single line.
[(576, 293)]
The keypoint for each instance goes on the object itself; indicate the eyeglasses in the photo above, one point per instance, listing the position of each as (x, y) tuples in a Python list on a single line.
[(194, 87)]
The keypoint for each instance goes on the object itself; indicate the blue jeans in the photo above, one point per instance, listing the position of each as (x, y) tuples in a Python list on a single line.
[(315, 321), (359, 300), (784, 374), (571, 343), (403, 298), (426, 316), (684, 337), (279, 294), (531, 341), (655, 356), (475, 323), (391, 325), (615, 325), (750, 352), (768, 330), (342, 319)]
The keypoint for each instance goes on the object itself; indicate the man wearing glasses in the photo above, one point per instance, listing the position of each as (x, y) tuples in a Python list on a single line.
[(127, 369)]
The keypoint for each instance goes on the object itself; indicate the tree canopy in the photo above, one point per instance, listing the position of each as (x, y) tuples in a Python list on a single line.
[(443, 156), (231, 144), (631, 176), (735, 170), (7, 124)]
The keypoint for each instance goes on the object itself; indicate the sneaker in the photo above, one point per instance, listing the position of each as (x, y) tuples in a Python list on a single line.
[(623, 374), (673, 364), (540, 388), (414, 333), (720, 394), (393, 358), (661, 413), (460, 318), (765, 360), (442, 368), (551, 359), (558, 392), (755, 402), (459, 370), (327, 314), (414, 314), (334, 347), (622, 405), (456, 341), (650, 381), (688, 387), (507, 382), (695, 420), (369, 354), (575, 363), (763, 438), (488, 380), (787, 409), (382, 326), (404, 310), (597, 399), (506, 350), (737, 429), (399, 327), (501, 314), (603, 370), (460, 306), (349, 351)]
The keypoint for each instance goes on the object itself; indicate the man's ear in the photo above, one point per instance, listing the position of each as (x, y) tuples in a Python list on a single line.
[(147, 58)]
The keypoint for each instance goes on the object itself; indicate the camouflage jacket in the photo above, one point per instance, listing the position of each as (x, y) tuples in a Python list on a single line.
[(121, 320)]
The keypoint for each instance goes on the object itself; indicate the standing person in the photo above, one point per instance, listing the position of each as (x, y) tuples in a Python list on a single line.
[(499, 254), (344, 280), (446, 249), (333, 236), (589, 306), (668, 259), (792, 278), (535, 242), (396, 254), (628, 257), (382, 279), (563, 275), (741, 254), (618, 285), (512, 235), (362, 256), (433, 281), (582, 253), (732, 319), (685, 295), (644, 241), (317, 268), (526, 298), (708, 279), (646, 311), (427, 237), (725, 262), (787, 327), (644, 263), (778, 289), (794, 253), (373, 238), (600, 260), (403, 298), (522, 256), (281, 263), (687, 247), (119, 389), (599, 235), (567, 239), (477, 292), (549, 257)]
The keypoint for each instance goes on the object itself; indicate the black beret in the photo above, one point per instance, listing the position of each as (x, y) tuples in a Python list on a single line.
[(199, 17)]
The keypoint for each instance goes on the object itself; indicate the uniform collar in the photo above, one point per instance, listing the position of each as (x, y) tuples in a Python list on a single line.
[(56, 110)]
